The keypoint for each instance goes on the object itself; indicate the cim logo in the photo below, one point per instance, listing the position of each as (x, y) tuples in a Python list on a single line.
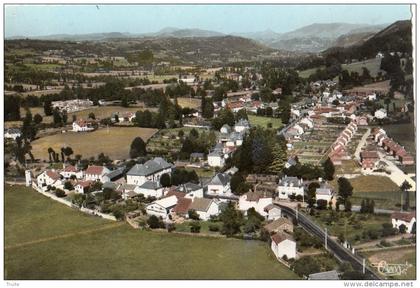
[(392, 269)]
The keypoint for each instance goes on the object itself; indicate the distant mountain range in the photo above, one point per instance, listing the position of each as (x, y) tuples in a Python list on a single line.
[(313, 38)]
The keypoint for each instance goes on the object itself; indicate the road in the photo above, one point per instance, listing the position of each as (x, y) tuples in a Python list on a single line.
[(362, 143), (341, 253)]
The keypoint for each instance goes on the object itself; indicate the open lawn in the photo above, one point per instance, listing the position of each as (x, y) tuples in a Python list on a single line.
[(263, 121), (370, 183), (397, 256), (117, 251), (373, 65), (189, 102), (114, 142)]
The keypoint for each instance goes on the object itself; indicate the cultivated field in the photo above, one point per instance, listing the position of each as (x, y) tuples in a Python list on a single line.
[(46, 240), (263, 121), (114, 142), (189, 102)]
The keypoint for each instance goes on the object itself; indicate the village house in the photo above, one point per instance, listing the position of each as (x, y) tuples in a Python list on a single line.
[(282, 244), (205, 208), (406, 219), (219, 185), (216, 158), (96, 173), (150, 189), (70, 171), (49, 178), (256, 200), (12, 133), (369, 159), (127, 191), (82, 126), (225, 129), (273, 212), (123, 117), (290, 186), (116, 175), (182, 207), (279, 225), (323, 193), (162, 208), (380, 114), (241, 126), (83, 186), (152, 170), (291, 161), (191, 190)]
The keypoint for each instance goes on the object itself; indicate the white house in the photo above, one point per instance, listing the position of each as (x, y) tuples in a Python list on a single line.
[(406, 219), (308, 122), (282, 244), (273, 212), (192, 190), (241, 126), (255, 200), (152, 170), (82, 186), (380, 114), (49, 178), (371, 97), (70, 171), (219, 185), (204, 208), (225, 129), (216, 159), (12, 133), (290, 186), (150, 189), (299, 129), (95, 173), (82, 126), (323, 193), (162, 207)]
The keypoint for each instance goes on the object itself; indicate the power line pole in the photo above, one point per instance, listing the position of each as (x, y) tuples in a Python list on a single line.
[(364, 265), (326, 239)]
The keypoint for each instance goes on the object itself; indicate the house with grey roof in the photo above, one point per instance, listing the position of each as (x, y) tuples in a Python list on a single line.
[(219, 185), (205, 208), (152, 170), (191, 190), (12, 133), (290, 186), (327, 275), (216, 158), (324, 193), (150, 189), (242, 126), (114, 175)]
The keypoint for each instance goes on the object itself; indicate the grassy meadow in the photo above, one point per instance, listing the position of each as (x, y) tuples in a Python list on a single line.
[(47, 240)]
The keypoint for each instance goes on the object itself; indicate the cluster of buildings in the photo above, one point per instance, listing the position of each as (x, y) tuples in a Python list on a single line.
[(391, 147), (72, 105), (82, 125), (294, 132), (338, 148), (228, 141)]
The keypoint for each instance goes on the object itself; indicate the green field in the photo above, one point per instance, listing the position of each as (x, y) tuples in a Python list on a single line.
[(263, 121), (373, 65), (46, 240)]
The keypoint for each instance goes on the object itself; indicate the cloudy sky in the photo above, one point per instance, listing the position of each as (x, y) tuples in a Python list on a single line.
[(37, 20)]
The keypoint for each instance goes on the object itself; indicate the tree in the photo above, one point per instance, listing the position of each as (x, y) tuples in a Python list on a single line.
[(68, 151), (402, 229), (68, 185), (154, 222), (347, 205), (305, 266), (238, 184), (137, 148), (195, 227), (405, 186), (91, 116), (321, 204), (165, 180), (48, 108), (192, 214), (253, 222), (279, 156), (345, 189), (37, 118), (241, 114), (231, 219), (311, 198), (329, 169)]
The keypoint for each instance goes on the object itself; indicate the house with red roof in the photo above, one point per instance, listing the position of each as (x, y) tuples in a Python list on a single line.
[(282, 244), (95, 173), (70, 171), (404, 218), (83, 186), (49, 178), (83, 126), (369, 159)]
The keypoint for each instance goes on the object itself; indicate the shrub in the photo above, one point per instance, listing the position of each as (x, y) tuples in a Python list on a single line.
[(214, 227), (195, 227), (154, 222), (60, 193)]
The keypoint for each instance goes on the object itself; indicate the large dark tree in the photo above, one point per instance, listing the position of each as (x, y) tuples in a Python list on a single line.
[(329, 169), (137, 148), (345, 189)]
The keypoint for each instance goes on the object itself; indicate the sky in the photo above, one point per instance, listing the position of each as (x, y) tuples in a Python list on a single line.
[(38, 20)]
